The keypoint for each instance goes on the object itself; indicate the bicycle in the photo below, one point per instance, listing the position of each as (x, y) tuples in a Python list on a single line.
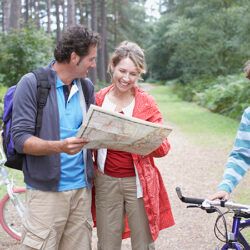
[(12, 204), (241, 219)]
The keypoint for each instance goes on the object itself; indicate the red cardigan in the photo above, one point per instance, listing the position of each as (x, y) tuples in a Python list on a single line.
[(155, 196)]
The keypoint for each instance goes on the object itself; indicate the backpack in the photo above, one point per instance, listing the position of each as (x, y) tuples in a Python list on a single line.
[(13, 158)]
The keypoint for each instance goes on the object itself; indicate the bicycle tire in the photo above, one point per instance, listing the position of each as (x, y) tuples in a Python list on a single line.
[(9, 217)]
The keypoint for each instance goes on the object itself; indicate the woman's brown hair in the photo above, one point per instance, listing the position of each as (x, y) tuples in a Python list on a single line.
[(129, 50)]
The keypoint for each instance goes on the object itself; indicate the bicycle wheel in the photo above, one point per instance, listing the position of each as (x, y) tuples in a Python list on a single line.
[(10, 219)]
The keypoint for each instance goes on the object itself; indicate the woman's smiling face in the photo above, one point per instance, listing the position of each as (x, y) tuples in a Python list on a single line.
[(125, 75)]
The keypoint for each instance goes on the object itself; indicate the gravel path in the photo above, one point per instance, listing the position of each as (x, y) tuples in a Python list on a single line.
[(197, 169)]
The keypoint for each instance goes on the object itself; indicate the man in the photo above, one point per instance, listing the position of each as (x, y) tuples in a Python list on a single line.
[(239, 160), (57, 170)]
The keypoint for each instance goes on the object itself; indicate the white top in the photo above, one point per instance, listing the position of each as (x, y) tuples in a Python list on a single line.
[(102, 153)]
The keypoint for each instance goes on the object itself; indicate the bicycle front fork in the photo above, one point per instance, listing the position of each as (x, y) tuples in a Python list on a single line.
[(235, 237)]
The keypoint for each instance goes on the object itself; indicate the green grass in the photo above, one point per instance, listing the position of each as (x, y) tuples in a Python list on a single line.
[(202, 126), (3, 90)]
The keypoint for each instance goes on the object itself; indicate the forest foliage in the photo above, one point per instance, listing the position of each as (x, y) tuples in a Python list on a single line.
[(201, 46), (198, 47), (22, 52)]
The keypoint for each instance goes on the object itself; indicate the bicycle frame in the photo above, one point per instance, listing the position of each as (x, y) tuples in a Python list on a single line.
[(12, 196), (236, 235)]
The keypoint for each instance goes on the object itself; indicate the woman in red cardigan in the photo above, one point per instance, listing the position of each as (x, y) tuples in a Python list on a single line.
[(129, 185)]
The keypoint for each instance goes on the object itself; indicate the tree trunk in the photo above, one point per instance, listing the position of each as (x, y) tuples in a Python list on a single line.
[(15, 14), (64, 15), (58, 28), (49, 16), (71, 13), (36, 10), (31, 7), (80, 7), (115, 22), (93, 15), (93, 72), (26, 16), (103, 33), (6, 15)]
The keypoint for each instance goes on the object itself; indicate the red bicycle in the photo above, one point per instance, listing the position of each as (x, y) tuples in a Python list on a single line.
[(12, 204)]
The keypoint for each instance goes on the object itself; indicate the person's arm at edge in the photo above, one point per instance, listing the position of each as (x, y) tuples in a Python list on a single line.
[(238, 162)]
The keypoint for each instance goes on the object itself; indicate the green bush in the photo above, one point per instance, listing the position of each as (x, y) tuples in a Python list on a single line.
[(2, 92), (22, 51), (188, 91), (227, 95)]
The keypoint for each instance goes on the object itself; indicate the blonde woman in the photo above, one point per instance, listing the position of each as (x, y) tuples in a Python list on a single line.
[(129, 184)]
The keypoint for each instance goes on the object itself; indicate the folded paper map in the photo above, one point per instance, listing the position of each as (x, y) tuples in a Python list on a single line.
[(107, 129)]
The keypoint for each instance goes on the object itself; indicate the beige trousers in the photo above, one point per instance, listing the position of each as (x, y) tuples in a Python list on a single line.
[(114, 198), (57, 220)]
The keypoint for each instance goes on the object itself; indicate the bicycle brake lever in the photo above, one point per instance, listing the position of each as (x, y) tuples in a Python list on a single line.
[(192, 206), (210, 210)]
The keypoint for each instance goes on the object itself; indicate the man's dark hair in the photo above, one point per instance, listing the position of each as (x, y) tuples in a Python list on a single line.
[(76, 39)]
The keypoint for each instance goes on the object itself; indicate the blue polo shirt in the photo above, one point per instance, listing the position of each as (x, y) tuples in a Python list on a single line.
[(70, 120)]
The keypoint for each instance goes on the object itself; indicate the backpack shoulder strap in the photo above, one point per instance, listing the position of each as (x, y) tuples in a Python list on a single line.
[(43, 88), (87, 90)]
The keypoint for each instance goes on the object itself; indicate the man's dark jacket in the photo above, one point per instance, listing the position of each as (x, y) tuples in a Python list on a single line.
[(43, 172)]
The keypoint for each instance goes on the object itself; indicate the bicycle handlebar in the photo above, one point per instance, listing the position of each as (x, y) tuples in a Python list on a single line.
[(196, 201), (207, 204)]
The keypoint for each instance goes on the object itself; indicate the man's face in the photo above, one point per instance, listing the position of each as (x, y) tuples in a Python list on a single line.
[(87, 62)]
